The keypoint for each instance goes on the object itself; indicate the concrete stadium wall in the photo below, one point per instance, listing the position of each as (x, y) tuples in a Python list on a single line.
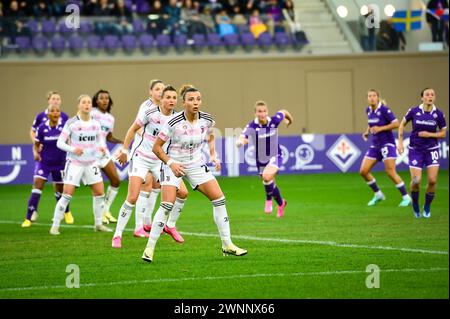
[(325, 94)]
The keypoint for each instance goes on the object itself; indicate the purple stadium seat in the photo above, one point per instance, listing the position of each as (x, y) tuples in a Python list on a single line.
[(40, 44), (265, 41), (111, 43), (199, 42), (63, 29), (58, 44), (48, 27), (146, 43), (242, 28), (94, 43), (180, 42), (138, 26), (129, 43), (33, 26), (231, 42), (214, 41), (282, 40), (76, 44), (163, 43), (23, 44), (248, 41), (85, 27)]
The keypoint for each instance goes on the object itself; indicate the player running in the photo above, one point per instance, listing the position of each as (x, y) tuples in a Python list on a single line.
[(381, 123), (86, 140), (143, 161), (101, 111), (187, 131), (428, 125), (263, 131), (54, 99)]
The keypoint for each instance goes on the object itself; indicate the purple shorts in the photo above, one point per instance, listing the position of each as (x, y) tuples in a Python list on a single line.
[(42, 171), (276, 161), (387, 151), (421, 158)]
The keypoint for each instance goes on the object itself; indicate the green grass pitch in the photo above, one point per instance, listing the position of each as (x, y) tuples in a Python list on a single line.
[(320, 249)]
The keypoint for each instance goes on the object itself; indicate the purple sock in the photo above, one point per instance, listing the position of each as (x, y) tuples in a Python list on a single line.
[(269, 190), (277, 196), (373, 185), (415, 201), (428, 199), (401, 187), (58, 196), (33, 202)]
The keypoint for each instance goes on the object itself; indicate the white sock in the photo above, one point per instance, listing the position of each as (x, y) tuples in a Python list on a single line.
[(141, 206), (151, 202), (124, 216), (111, 194), (98, 204), (60, 208), (158, 223), (221, 220), (175, 212), (379, 194)]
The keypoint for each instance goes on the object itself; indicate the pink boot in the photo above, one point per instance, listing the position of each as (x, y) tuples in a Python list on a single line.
[(280, 212), (174, 233), (141, 233), (268, 207), (117, 242)]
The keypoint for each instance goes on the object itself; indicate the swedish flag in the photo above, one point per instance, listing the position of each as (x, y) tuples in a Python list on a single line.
[(407, 20)]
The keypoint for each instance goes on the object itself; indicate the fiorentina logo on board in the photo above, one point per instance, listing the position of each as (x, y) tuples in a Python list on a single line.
[(343, 153)]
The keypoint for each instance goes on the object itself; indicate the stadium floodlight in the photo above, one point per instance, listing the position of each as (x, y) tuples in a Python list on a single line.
[(389, 10), (342, 11), (364, 10)]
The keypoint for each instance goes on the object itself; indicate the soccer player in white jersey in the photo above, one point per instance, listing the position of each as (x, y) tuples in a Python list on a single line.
[(187, 131), (150, 189), (85, 138), (101, 111), (143, 161)]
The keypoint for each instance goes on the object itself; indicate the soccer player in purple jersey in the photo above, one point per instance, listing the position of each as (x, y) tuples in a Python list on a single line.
[(101, 111), (50, 159), (263, 130), (428, 125), (381, 123), (53, 99)]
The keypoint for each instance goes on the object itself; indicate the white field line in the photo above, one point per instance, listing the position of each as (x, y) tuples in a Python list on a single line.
[(278, 240), (242, 276)]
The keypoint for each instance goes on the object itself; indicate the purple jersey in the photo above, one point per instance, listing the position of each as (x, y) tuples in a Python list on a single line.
[(380, 117), (265, 138), (42, 118), (51, 155), (424, 121)]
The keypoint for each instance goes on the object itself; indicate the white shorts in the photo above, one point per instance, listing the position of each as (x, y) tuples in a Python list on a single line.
[(195, 176), (140, 167), (89, 174), (104, 160)]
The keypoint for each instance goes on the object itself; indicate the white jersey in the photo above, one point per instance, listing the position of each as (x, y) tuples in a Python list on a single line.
[(151, 119), (86, 135), (106, 121), (137, 137), (187, 139)]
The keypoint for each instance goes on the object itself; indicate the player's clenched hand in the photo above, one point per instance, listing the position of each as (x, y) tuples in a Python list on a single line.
[(122, 159), (365, 136), (177, 169), (400, 148), (216, 163), (37, 156), (374, 129), (78, 151)]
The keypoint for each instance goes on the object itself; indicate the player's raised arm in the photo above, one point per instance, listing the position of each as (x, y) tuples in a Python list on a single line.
[(288, 117)]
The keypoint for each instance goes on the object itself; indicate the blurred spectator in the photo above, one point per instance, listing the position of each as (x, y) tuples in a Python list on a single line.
[(157, 22), (435, 21), (388, 38), (238, 19), (124, 18), (14, 24), (58, 7), (191, 16), (292, 22), (214, 6), (103, 25), (42, 9), (207, 19), (173, 13), (274, 15), (224, 24), (257, 25), (367, 32)]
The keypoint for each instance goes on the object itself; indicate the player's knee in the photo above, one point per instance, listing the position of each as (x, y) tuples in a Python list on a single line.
[(363, 172), (115, 182), (432, 182), (267, 178), (182, 193), (415, 181)]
